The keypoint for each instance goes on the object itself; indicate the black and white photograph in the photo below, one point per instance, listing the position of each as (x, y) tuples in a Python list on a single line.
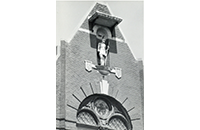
[(99, 65), (99, 83)]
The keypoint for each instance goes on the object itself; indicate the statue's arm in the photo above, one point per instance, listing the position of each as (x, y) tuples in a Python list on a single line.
[(98, 49), (107, 49)]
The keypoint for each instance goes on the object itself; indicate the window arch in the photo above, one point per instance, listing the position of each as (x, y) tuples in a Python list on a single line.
[(103, 111)]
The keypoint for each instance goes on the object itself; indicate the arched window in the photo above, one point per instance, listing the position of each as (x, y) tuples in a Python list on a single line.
[(103, 111)]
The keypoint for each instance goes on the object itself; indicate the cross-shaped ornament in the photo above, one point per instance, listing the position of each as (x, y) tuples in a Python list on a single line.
[(104, 70)]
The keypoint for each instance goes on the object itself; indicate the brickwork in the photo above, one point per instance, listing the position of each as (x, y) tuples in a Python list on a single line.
[(60, 86), (73, 79)]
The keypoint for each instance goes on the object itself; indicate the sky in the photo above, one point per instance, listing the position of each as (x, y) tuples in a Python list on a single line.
[(70, 15)]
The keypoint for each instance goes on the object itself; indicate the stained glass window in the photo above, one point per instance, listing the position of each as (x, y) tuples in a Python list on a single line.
[(117, 124), (103, 112), (86, 118)]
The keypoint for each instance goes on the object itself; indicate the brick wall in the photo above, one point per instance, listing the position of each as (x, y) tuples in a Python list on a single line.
[(60, 86)]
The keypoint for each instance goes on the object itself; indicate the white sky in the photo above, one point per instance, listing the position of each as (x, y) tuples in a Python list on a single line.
[(69, 16)]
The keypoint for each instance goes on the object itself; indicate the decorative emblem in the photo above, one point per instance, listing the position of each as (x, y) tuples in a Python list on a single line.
[(101, 108), (117, 71), (89, 65)]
